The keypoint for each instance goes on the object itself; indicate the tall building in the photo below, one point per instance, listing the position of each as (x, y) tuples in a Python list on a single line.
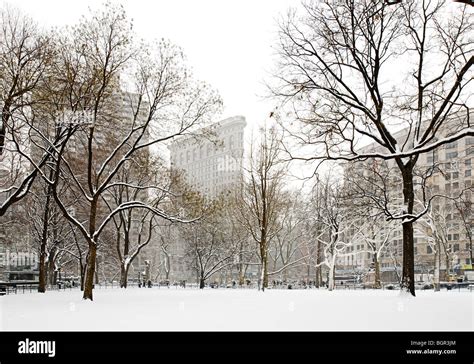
[(111, 127), (212, 163)]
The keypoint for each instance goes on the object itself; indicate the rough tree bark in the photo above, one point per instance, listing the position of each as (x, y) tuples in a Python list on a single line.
[(408, 265), (44, 242), (437, 266), (377, 281), (90, 272)]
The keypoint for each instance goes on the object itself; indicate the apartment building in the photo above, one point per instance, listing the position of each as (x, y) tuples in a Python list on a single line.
[(447, 176)]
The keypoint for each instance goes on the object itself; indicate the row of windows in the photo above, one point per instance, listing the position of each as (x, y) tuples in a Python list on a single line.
[(452, 145), (433, 157), (199, 153), (455, 175)]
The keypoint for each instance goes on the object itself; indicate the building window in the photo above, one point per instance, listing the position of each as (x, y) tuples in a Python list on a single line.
[(452, 155), (451, 145), (455, 236), (467, 173), (429, 249), (455, 175), (431, 159), (467, 162), (469, 141), (455, 247)]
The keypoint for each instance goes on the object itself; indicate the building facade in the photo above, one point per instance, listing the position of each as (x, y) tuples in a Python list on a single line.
[(446, 176), (212, 163)]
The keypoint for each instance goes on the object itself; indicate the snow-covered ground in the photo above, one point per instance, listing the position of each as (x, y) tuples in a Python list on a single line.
[(235, 310)]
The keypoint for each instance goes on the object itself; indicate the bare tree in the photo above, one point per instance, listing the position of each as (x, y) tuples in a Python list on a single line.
[(238, 236), (439, 229), (377, 235), (27, 63), (162, 103), (287, 251), (261, 196), (335, 227), (135, 227), (51, 234), (337, 62), (464, 207), (209, 248)]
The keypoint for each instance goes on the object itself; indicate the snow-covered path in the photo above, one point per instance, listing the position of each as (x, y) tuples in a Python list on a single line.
[(155, 309)]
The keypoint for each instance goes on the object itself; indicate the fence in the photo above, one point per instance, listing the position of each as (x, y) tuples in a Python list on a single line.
[(15, 288)]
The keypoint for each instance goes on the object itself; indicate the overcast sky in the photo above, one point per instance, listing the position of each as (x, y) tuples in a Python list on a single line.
[(228, 43)]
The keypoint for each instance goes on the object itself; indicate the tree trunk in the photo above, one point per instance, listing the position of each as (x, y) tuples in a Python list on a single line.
[(470, 251), (5, 116), (202, 282), (377, 281), (44, 241), (51, 266), (167, 267), (82, 273), (261, 287), (308, 274), (332, 273), (447, 264), (42, 270), (50, 274), (241, 275), (318, 273), (90, 272), (437, 264), (318, 279), (124, 275), (285, 273), (265, 272), (408, 266), (96, 276), (263, 281)]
